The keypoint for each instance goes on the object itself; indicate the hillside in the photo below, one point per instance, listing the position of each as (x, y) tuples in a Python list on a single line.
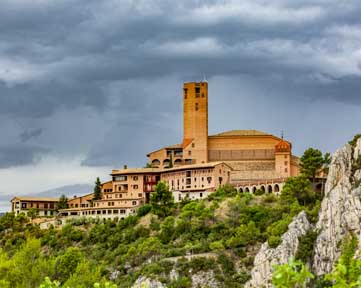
[(227, 240)]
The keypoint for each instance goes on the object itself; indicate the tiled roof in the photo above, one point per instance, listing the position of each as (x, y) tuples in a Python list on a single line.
[(158, 170), (241, 133), (39, 199)]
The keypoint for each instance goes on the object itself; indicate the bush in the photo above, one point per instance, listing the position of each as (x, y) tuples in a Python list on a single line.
[(306, 245), (259, 192), (144, 210), (274, 241)]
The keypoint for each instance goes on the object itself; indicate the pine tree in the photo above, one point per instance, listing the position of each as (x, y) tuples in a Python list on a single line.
[(97, 190), (63, 202)]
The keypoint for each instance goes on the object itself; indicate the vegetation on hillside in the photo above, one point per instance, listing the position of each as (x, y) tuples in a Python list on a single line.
[(223, 230)]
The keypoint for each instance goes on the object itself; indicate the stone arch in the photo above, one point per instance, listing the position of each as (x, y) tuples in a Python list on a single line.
[(263, 188), (166, 162), (177, 161), (155, 162), (254, 189), (241, 190), (269, 189), (246, 190), (319, 187), (277, 188)]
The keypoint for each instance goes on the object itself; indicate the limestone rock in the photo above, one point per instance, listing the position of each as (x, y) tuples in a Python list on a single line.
[(205, 279), (261, 273), (340, 211), (145, 282)]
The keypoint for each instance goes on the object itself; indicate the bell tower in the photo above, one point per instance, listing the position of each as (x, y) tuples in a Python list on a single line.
[(195, 122)]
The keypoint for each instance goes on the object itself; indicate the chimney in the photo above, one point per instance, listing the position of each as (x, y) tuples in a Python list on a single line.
[(125, 167)]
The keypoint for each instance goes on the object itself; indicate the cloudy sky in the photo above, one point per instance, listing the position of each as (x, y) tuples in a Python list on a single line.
[(89, 85)]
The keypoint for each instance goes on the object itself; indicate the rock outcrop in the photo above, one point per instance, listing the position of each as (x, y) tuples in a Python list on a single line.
[(145, 282), (340, 211), (261, 273)]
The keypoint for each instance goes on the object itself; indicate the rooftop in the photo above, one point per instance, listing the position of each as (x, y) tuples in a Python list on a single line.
[(38, 199), (158, 170), (241, 133)]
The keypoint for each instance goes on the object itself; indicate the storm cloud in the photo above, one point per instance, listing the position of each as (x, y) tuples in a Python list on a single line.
[(101, 80)]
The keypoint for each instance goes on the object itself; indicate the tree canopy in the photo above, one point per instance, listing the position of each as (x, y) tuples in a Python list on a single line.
[(162, 200), (97, 190)]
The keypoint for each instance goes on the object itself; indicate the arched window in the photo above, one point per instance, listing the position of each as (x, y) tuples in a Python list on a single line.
[(269, 189), (155, 163), (277, 188)]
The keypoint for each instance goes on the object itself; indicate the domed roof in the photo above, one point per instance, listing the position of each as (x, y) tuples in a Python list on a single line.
[(283, 146)]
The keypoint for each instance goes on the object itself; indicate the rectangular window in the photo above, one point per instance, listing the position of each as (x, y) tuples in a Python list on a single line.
[(135, 186), (198, 91), (286, 163), (23, 205), (185, 93), (197, 107), (135, 178), (200, 195), (134, 203), (122, 211), (140, 195), (119, 178), (189, 153)]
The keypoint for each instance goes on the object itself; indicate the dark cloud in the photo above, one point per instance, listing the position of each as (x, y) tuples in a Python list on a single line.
[(19, 155), (31, 133), (103, 78)]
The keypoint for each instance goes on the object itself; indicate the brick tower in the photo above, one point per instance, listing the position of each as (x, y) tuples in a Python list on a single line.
[(195, 121)]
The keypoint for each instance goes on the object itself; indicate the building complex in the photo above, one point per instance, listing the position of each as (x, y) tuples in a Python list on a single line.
[(196, 167)]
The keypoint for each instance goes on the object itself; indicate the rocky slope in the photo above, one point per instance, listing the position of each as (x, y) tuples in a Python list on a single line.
[(339, 215), (340, 211), (267, 257)]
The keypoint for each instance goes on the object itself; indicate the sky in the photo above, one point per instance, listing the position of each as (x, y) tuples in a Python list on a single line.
[(87, 86)]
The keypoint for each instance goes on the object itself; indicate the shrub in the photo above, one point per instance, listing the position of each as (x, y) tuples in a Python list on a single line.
[(274, 241), (144, 210), (259, 192)]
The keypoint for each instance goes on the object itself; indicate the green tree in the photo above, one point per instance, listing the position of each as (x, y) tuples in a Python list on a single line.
[(63, 202), (171, 160), (292, 275), (97, 190), (32, 213), (167, 231), (67, 263), (162, 200), (311, 162), (298, 188)]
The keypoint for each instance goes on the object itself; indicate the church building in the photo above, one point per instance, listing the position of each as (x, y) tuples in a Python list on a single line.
[(253, 155)]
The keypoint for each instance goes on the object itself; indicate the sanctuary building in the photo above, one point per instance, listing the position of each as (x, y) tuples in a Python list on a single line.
[(196, 167)]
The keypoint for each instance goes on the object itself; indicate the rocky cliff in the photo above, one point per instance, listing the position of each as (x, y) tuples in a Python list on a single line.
[(267, 257), (340, 211), (339, 215)]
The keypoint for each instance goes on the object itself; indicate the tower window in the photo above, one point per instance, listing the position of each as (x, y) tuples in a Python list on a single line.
[(189, 153), (196, 106), (185, 93), (193, 145), (198, 92)]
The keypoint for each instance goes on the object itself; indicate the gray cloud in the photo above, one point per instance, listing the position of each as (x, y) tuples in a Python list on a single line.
[(18, 155), (103, 78), (31, 133)]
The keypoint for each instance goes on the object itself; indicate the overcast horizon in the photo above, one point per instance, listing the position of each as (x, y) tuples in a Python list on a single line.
[(87, 86)]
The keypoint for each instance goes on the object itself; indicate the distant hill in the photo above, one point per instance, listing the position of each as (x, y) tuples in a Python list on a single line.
[(68, 190)]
